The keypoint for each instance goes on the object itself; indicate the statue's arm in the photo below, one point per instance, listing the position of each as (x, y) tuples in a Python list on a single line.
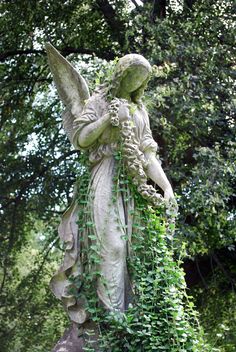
[(155, 173), (91, 132)]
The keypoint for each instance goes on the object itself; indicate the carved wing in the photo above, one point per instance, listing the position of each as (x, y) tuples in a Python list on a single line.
[(71, 86)]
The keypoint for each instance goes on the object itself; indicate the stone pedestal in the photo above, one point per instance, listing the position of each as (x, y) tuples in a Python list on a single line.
[(70, 341), (74, 338)]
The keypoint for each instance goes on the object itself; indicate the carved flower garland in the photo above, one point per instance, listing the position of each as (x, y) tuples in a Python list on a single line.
[(136, 164)]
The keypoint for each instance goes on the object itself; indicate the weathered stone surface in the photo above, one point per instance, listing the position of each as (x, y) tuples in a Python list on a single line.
[(70, 341), (98, 124), (74, 339)]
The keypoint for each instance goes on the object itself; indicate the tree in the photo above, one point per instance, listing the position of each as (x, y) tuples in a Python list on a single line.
[(191, 107)]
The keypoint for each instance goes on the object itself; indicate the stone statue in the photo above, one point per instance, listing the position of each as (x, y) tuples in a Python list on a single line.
[(113, 115)]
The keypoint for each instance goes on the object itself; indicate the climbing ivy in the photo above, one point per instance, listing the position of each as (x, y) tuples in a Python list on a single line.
[(192, 118), (161, 315)]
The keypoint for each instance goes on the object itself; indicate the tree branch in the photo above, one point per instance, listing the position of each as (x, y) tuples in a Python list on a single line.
[(137, 6), (9, 53), (200, 274), (222, 268), (135, 3), (116, 24), (3, 278), (189, 3), (159, 9), (65, 51), (36, 175)]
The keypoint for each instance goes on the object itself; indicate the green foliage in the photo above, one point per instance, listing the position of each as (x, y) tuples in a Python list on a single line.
[(216, 307), (29, 309), (191, 108), (158, 319), (161, 317), (207, 196)]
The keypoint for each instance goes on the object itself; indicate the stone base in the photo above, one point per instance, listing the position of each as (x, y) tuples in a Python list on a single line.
[(74, 338)]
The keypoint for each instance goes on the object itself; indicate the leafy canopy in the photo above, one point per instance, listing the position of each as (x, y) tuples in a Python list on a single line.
[(191, 106)]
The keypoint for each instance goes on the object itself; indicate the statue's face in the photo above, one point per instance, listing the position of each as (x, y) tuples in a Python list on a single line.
[(134, 79)]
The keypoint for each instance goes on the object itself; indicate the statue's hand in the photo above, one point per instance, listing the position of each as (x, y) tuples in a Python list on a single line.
[(172, 203), (123, 112)]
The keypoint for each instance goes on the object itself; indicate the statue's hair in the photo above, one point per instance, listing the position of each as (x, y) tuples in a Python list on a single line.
[(111, 88)]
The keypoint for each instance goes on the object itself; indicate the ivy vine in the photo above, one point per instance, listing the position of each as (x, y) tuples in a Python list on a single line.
[(161, 316)]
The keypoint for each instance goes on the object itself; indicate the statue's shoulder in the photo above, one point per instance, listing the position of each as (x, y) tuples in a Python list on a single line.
[(99, 95), (97, 101), (142, 108)]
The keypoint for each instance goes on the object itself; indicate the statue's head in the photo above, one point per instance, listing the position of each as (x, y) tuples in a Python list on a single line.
[(131, 75)]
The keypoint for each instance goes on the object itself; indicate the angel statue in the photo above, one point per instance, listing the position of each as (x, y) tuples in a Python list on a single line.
[(98, 125)]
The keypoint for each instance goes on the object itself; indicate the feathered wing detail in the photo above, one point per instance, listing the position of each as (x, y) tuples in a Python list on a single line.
[(71, 86), (68, 120)]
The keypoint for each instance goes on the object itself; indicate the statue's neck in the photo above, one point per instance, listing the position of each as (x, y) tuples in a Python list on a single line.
[(124, 95)]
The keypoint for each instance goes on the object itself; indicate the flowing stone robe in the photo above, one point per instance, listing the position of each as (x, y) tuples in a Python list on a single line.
[(112, 219)]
